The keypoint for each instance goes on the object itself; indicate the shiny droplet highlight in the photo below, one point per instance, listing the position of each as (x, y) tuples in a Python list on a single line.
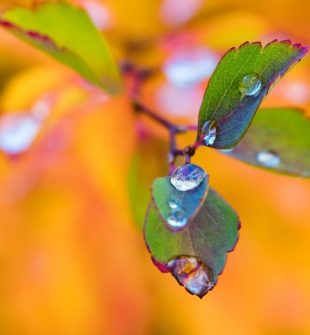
[(250, 85), (173, 204), (209, 133), (268, 158), (187, 177), (177, 219), (191, 273)]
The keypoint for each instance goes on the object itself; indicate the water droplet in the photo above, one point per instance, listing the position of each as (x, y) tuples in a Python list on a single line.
[(250, 85), (192, 274), (187, 177), (173, 204), (199, 282), (177, 219), (268, 158), (209, 132)]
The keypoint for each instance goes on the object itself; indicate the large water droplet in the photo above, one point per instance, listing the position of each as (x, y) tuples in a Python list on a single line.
[(199, 282), (209, 132), (192, 274), (187, 177), (250, 85), (177, 219), (268, 158)]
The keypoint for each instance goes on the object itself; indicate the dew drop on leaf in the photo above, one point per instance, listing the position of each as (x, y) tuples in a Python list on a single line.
[(177, 219), (268, 158), (209, 132), (187, 177), (250, 85), (173, 204), (192, 274)]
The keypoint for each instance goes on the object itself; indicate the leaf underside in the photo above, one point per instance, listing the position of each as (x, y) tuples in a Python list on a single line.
[(224, 103), (211, 234), (189, 202), (285, 132), (66, 33)]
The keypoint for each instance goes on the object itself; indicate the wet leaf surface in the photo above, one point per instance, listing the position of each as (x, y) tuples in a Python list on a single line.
[(279, 140), (238, 85), (66, 33), (212, 233), (177, 205)]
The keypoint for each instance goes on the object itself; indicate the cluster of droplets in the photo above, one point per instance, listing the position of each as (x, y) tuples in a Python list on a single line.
[(250, 85), (176, 218), (184, 178), (191, 273)]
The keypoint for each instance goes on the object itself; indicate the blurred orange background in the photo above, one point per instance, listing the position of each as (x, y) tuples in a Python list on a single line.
[(72, 255)]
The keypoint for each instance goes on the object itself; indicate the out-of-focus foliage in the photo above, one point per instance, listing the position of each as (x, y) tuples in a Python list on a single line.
[(72, 260), (283, 136), (66, 33)]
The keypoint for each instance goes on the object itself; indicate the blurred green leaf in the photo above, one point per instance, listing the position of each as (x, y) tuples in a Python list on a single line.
[(148, 162), (279, 140), (210, 235), (66, 33), (169, 200), (238, 85)]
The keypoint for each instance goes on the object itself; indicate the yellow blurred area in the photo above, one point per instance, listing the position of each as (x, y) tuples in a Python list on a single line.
[(72, 257)]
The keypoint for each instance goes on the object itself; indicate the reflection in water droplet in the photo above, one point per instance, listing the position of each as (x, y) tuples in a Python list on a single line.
[(177, 219), (209, 132), (250, 85), (187, 177), (268, 158), (199, 282), (17, 131), (192, 274), (173, 204)]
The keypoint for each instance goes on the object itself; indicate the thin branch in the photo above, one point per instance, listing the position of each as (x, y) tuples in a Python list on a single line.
[(137, 77)]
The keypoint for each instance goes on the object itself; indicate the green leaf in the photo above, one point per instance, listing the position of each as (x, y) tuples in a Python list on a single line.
[(147, 163), (212, 233), (238, 85), (171, 203), (66, 33), (279, 140)]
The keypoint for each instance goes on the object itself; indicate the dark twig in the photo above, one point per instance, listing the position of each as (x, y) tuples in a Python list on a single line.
[(137, 77)]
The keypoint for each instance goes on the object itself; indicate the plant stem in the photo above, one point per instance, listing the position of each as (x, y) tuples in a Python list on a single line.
[(137, 77), (173, 130)]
